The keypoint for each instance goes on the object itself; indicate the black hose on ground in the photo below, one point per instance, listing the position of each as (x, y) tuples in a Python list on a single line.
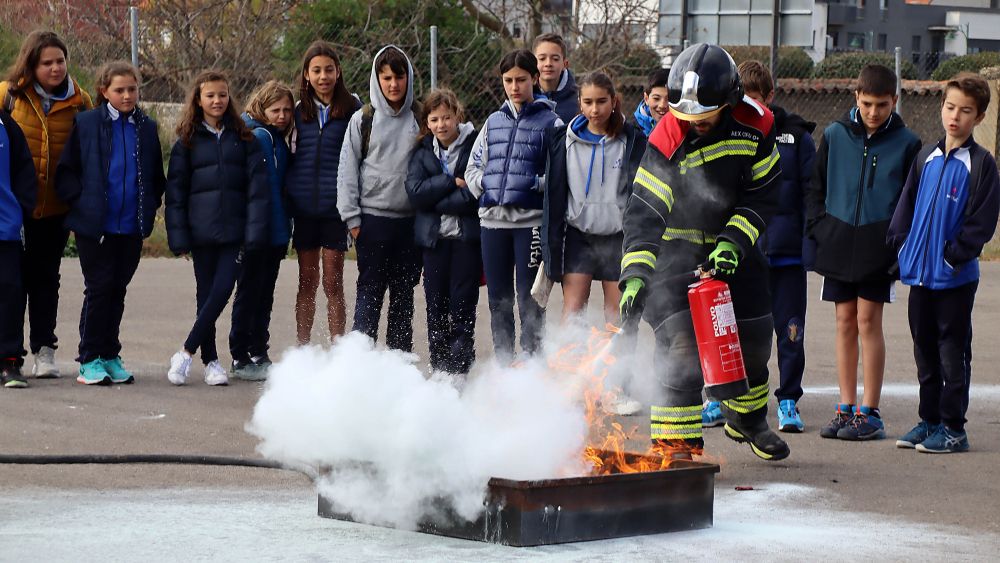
[(178, 459)]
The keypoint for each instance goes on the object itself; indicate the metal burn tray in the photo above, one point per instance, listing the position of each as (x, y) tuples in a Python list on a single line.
[(530, 513)]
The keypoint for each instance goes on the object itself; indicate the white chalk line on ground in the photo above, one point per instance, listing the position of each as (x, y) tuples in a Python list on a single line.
[(987, 391), (774, 521)]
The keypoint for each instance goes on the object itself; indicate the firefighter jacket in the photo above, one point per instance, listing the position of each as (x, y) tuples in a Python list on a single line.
[(691, 191)]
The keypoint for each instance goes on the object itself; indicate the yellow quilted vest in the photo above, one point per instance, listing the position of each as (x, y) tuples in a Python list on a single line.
[(46, 136)]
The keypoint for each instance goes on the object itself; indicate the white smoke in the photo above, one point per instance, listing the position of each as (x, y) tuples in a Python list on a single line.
[(391, 440)]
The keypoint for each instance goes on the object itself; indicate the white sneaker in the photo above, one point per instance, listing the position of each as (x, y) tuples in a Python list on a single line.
[(45, 364), (180, 366), (214, 374)]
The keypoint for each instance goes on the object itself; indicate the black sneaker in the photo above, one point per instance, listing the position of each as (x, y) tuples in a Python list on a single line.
[(764, 442), (261, 361), (843, 417), (10, 374)]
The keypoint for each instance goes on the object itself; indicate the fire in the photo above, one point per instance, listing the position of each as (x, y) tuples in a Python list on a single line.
[(606, 449)]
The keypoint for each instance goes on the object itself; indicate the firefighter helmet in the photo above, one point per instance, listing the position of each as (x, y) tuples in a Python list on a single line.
[(702, 81)]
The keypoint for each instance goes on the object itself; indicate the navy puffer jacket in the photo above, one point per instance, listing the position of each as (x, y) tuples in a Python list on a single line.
[(786, 230), (311, 183), (217, 192), (434, 193), (517, 155), (82, 174)]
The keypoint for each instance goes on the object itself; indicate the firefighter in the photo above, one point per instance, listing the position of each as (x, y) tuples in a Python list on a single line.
[(703, 194)]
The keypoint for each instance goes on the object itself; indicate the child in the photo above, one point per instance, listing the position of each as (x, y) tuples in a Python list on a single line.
[(371, 198), (555, 81), (653, 106), (269, 116), (592, 163), (860, 169), (946, 213), (509, 185), (42, 98), (17, 200), (447, 229), (319, 235), (785, 242), (111, 175), (217, 207)]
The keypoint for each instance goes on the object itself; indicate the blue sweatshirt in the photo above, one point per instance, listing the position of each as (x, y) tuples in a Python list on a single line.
[(122, 188)]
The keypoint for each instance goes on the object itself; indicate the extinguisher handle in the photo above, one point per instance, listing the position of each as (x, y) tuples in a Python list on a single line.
[(705, 270)]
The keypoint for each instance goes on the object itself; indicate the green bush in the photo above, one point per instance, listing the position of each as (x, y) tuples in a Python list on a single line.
[(849, 65), (971, 63), (793, 62)]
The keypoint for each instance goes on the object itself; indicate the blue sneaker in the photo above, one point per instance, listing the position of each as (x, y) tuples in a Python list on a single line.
[(863, 426), (117, 372), (918, 434), (711, 415), (93, 373), (839, 421), (788, 417), (944, 441)]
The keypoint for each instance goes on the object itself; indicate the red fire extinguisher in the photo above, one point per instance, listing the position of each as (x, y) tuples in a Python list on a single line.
[(718, 341)]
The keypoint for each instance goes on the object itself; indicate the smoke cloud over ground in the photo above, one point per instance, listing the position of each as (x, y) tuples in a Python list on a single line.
[(392, 439)]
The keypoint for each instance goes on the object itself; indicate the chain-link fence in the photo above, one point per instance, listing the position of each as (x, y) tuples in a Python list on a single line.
[(257, 41)]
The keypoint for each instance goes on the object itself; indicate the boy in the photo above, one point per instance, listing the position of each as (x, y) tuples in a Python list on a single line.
[(17, 199), (653, 106), (555, 81), (946, 213), (372, 200), (785, 241), (860, 169)]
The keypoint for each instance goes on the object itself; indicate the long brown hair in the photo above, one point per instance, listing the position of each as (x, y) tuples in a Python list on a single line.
[(343, 103), (266, 95), (617, 120), (22, 73), (432, 101), (108, 72), (193, 114)]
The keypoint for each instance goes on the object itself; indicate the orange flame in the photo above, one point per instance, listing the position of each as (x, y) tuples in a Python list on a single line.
[(606, 450)]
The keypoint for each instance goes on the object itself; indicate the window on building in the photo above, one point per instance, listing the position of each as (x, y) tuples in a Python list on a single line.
[(855, 40), (915, 44), (883, 41)]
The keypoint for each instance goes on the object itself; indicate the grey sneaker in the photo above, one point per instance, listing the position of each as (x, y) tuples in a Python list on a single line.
[(45, 364)]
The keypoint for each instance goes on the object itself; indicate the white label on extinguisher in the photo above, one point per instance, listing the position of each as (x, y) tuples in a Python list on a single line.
[(724, 319)]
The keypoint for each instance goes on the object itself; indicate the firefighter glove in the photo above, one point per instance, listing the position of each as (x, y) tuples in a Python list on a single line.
[(630, 306), (725, 257)]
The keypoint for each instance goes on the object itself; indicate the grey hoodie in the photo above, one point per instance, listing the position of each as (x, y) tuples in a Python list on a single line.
[(376, 186), (594, 173), (451, 226)]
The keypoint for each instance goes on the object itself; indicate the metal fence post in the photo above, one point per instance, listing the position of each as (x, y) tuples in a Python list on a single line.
[(775, 30), (133, 17), (899, 80), (434, 56)]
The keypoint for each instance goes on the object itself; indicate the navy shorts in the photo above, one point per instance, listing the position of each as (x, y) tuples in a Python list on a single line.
[(883, 291), (599, 256), (310, 233)]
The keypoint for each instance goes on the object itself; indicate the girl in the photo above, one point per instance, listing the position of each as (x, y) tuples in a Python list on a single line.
[(592, 163), (269, 116), (217, 206), (325, 106), (111, 175), (43, 99), (447, 229), (506, 173)]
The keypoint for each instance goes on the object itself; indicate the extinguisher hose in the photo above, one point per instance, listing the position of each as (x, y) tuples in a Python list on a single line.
[(174, 459)]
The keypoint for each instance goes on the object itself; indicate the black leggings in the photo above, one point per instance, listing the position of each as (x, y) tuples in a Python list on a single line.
[(216, 269)]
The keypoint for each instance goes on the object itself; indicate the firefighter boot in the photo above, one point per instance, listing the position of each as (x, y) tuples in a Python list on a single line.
[(763, 441), (679, 449)]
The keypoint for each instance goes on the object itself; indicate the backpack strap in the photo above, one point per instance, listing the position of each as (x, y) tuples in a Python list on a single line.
[(367, 117)]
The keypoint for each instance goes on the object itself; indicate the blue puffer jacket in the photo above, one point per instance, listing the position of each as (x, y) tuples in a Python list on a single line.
[(217, 192), (786, 240), (17, 179), (275, 149), (98, 178), (943, 220), (856, 184), (311, 183), (517, 155)]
